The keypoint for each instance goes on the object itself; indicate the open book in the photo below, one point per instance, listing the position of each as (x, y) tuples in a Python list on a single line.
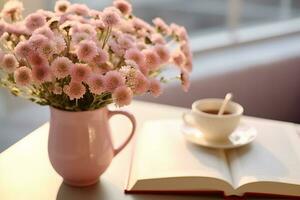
[(163, 161)]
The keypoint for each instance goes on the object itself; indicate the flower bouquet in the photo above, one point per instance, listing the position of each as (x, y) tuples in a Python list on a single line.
[(78, 60)]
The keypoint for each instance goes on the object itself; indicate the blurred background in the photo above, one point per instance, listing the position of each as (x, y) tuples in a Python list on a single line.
[(248, 47)]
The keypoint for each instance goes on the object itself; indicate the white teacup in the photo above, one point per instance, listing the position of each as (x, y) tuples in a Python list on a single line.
[(214, 127)]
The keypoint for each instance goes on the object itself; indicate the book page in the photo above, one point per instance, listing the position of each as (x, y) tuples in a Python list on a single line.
[(274, 156), (162, 152)]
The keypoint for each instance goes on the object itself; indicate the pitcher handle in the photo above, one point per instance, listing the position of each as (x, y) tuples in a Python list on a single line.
[(133, 122)]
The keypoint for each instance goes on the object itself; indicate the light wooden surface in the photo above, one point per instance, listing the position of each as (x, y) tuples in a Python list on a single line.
[(26, 172)]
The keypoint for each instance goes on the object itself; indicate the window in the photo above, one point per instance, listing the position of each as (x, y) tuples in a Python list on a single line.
[(212, 23)]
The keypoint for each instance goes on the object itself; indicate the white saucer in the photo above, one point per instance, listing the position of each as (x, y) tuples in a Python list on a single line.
[(244, 134)]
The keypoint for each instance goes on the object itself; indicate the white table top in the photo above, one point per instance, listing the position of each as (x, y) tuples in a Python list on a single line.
[(26, 172)]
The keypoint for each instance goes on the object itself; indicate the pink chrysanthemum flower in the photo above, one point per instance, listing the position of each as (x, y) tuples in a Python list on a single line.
[(12, 9), (77, 19), (41, 73), (47, 49), (161, 25), (155, 87), (96, 84), (185, 82), (185, 48), (23, 49), (60, 44), (122, 96), (110, 17), (125, 42), (45, 31), (74, 26), (143, 33), (74, 90), (116, 33), (36, 59), (23, 76), (130, 75), (80, 72), (86, 50), (116, 48), (123, 6), (125, 26), (96, 69), (188, 65), (66, 21), (61, 6), (78, 9), (2, 27), (61, 66), (34, 21), (89, 29), (174, 28), (157, 39), (9, 63), (128, 36), (132, 64), (113, 79), (4, 36), (182, 34), (152, 60), (17, 28), (57, 89), (101, 57), (178, 58), (125, 70), (102, 68), (141, 24), (135, 55), (138, 23), (79, 37), (163, 53), (35, 41), (144, 69), (141, 83), (1, 56), (141, 45), (98, 23)]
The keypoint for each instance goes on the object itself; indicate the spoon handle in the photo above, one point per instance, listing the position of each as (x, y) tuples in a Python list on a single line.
[(228, 97)]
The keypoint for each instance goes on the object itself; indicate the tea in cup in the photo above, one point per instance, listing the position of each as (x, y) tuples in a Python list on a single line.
[(204, 116)]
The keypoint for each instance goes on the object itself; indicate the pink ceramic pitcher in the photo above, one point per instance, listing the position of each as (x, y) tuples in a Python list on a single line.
[(80, 146)]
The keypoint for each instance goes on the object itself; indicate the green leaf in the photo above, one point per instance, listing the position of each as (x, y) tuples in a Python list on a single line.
[(85, 102)]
